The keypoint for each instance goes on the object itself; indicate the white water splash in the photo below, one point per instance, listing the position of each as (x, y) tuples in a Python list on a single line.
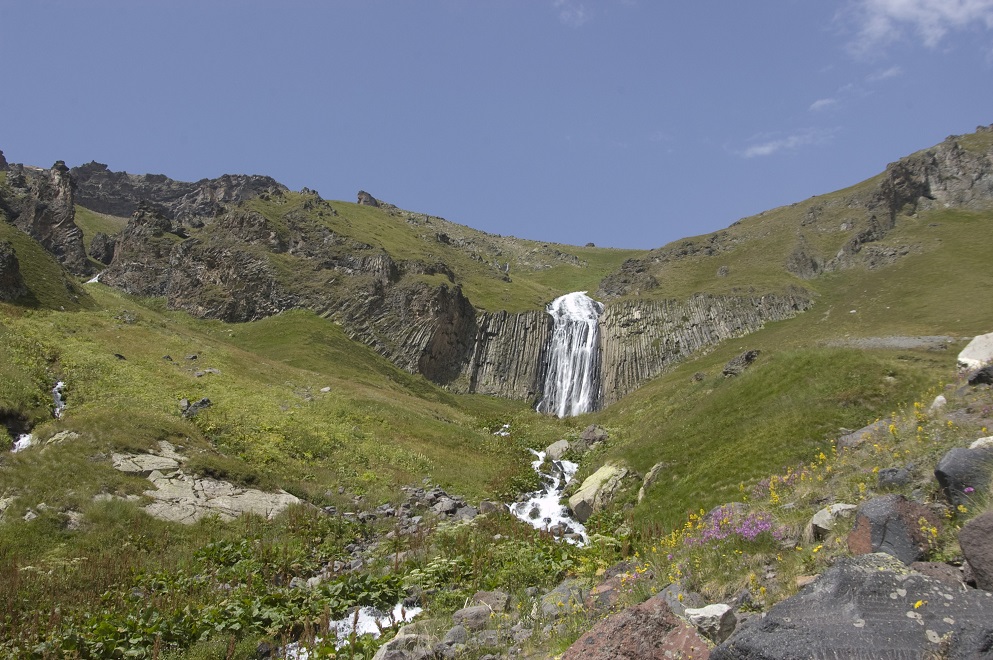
[(26, 440), (23, 441), (95, 279), (542, 509), (57, 399), (572, 382), (368, 621)]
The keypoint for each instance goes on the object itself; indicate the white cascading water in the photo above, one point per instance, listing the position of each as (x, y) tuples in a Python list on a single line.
[(543, 510), (572, 384)]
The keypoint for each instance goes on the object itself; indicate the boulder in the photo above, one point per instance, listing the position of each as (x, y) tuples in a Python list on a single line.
[(936, 406), (715, 622), (495, 600), (870, 606), (824, 521), (737, 366), (365, 199), (102, 247), (893, 477), (649, 479), (412, 642), (982, 376), (678, 598), (568, 597), (557, 450), (982, 443), (978, 353), (864, 434), (892, 524), (963, 473), (474, 617), (976, 541), (596, 490), (649, 631)]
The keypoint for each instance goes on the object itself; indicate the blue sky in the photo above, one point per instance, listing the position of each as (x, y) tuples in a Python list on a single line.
[(626, 123)]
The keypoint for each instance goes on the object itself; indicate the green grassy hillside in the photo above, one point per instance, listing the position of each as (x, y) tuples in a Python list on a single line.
[(811, 378)]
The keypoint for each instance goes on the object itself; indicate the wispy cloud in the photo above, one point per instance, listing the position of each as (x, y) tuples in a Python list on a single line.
[(771, 143), (891, 72), (572, 13), (822, 104), (880, 22)]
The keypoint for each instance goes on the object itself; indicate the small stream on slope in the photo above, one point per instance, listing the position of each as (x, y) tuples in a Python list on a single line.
[(25, 440), (541, 509)]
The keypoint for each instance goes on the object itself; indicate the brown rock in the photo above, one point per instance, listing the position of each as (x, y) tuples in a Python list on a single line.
[(894, 525), (976, 541), (948, 574), (649, 631)]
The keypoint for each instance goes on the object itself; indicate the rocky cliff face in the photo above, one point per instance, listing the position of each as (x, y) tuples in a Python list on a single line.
[(641, 340), (41, 204), (120, 193), (12, 284)]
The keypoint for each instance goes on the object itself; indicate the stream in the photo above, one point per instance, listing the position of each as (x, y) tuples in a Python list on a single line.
[(25, 440), (541, 509)]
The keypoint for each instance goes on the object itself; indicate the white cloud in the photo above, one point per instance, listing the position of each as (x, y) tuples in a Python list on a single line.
[(882, 21), (891, 72), (770, 144), (822, 104), (572, 13)]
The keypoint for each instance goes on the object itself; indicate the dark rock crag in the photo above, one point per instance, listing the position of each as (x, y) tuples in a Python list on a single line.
[(41, 204), (120, 193), (12, 285)]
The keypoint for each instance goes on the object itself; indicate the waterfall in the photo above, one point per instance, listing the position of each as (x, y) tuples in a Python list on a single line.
[(572, 380)]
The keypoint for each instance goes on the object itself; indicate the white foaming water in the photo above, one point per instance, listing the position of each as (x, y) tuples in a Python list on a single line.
[(369, 621), (542, 510), (572, 384), (23, 441), (57, 398)]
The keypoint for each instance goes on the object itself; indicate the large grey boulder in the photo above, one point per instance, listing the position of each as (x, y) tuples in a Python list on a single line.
[(412, 642), (976, 541), (557, 450), (964, 473), (892, 524), (978, 353), (870, 606), (597, 489)]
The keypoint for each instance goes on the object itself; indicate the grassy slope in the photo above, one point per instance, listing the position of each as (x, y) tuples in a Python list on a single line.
[(720, 432), (539, 272)]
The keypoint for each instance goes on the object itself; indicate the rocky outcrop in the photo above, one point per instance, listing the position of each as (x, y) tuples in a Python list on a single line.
[(365, 199), (120, 193), (869, 607), (12, 285), (507, 354), (41, 204), (641, 340), (649, 630), (894, 525), (102, 247), (597, 491)]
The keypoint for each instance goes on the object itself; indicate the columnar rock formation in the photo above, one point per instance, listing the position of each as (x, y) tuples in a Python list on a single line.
[(644, 339)]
